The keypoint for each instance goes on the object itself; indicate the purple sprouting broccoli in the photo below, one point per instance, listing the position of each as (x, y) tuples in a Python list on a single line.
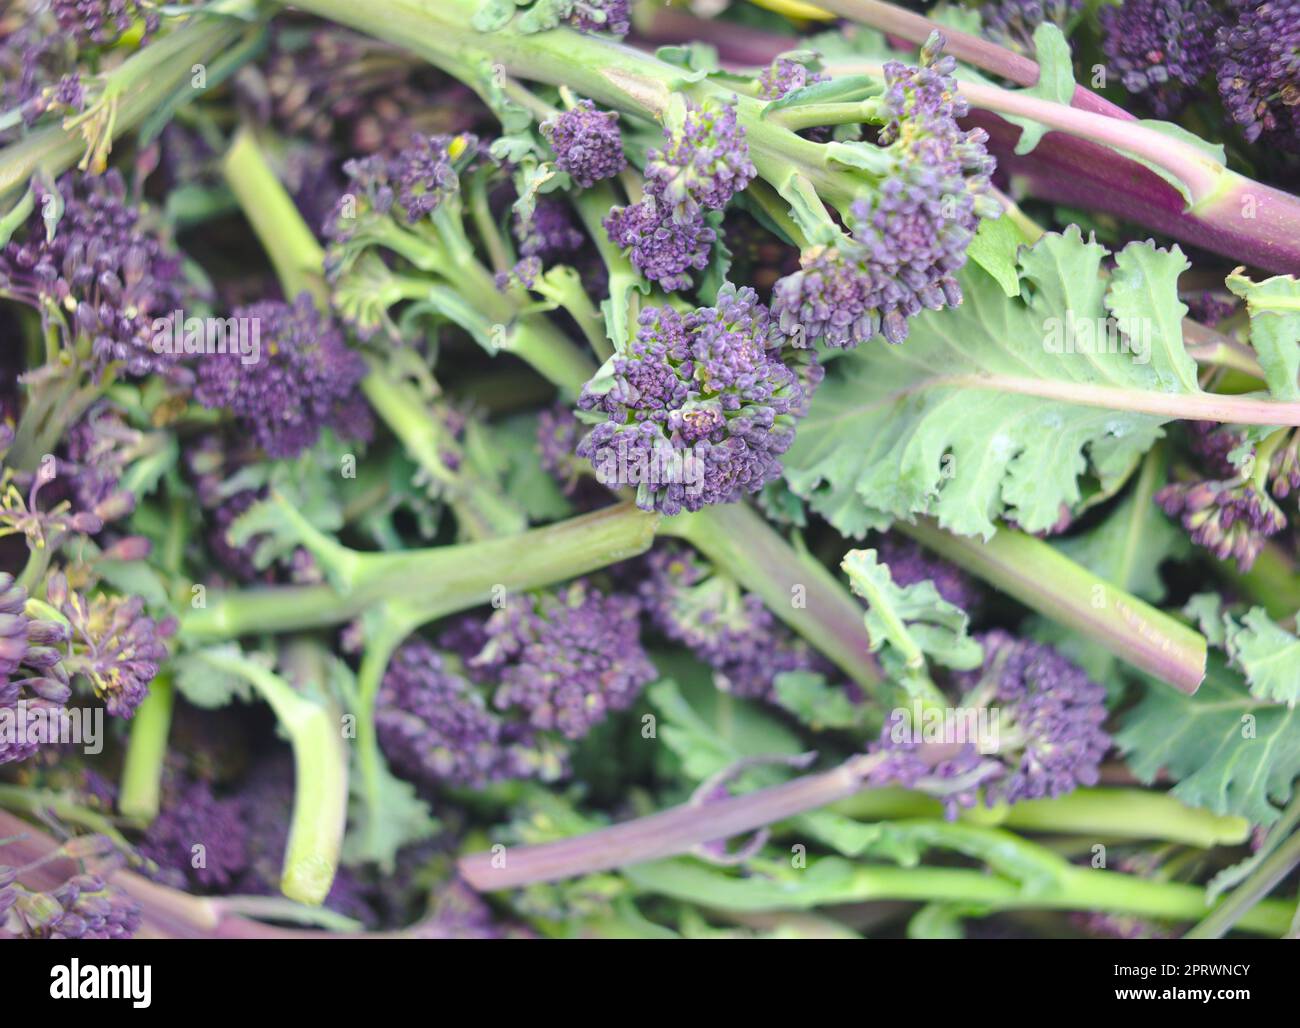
[(1161, 48), (436, 728), (699, 408), (1231, 510), (784, 76), (33, 682), (111, 285), (566, 659), (1011, 23), (102, 22), (586, 142), (1257, 65), (558, 436), (1045, 736), (197, 839), (611, 16), (83, 907), (409, 185), (663, 250), (703, 163), (725, 627), (550, 234), (114, 644), (910, 235), (304, 381)]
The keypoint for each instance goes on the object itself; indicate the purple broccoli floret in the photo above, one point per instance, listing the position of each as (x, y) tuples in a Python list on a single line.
[(586, 142)]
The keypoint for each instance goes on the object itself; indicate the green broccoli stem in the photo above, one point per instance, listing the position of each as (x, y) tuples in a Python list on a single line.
[(610, 73), (1073, 888), (1119, 813), (453, 578), (1045, 580), (146, 81), (320, 799), (65, 808), (297, 257), (140, 789)]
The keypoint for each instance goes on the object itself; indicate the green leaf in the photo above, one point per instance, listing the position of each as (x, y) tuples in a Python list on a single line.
[(926, 428), (1229, 752), (1268, 655), (908, 624), (207, 686), (841, 89), (1128, 547), (994, 249), (1055, 82), (1274, 309), (523, 478), (818, 704), (398, 817)]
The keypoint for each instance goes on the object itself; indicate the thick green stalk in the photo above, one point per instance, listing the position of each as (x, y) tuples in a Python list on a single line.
[(1047, 581), (320, 778), (442, 579), (141, 786), (1124, 813), (297, 257)]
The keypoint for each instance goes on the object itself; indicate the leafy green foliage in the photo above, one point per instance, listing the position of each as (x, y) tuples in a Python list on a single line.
[(908, 624), (1274, 308), (1229, 751), (971, 419)]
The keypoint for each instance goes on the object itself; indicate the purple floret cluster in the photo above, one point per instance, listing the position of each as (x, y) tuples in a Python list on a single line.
[(112, 275), (193, 816), (83, 907), (910, 564), (1046, 736), (611, 16), (586, 142), (725, 627), (784, 76), (1011, 23), (550, 233), (34, 685), (698, 409), (101, 22), (1258, 70), (566, 659), (435, 726), (1160, 48), (910, 235), (305, 381), (703, 163)]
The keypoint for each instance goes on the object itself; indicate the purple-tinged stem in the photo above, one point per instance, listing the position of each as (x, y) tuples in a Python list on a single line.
[(668, 833), (1245, 221)]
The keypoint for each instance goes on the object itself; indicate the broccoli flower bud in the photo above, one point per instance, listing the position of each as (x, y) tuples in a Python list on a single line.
[(566, 659), (910, 235), (725, 627), (1046, 737), (586, 142), (105, 276), (1161, 48), (1257, 70), (302, 384), (435, 727)]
